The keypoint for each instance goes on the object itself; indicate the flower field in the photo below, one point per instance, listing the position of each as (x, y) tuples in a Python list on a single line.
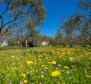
[(46, 65)]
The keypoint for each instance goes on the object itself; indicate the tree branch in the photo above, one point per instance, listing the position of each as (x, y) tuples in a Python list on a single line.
[(1, 20), (8, 22)]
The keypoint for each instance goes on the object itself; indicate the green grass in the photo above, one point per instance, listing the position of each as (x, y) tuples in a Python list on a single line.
[(35, 65)]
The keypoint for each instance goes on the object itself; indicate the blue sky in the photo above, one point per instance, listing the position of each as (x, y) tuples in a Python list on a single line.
[(56, 11)]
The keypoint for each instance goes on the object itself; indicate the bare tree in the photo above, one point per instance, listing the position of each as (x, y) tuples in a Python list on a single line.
[(58, 37), (85, 36), (70, 26)]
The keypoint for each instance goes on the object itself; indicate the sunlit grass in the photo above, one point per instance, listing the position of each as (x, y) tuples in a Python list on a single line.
[(46, 65)]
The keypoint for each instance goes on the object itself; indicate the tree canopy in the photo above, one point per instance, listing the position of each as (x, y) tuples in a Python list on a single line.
[(20, 13)]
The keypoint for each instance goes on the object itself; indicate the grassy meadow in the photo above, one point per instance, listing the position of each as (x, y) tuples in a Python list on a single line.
[(45, 65)]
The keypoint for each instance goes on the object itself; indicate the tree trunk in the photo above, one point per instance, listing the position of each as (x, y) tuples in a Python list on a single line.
[(18, 42), (0, 42), (26, 43)]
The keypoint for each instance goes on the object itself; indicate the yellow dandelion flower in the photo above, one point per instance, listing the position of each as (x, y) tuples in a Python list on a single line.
[(62, 53), (30, 62), (55, 73), (25, 81), (53, 62)]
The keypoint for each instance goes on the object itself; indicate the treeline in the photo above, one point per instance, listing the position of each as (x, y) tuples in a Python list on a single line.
[(74, 31)]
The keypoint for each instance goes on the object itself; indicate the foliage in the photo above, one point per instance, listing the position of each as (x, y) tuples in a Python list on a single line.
[(58, 37), (19, 13)]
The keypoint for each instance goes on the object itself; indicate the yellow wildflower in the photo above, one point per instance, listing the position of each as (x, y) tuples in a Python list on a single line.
[(25, 81), (62, 53), (30, 62), (55, 73), (53, 62)]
